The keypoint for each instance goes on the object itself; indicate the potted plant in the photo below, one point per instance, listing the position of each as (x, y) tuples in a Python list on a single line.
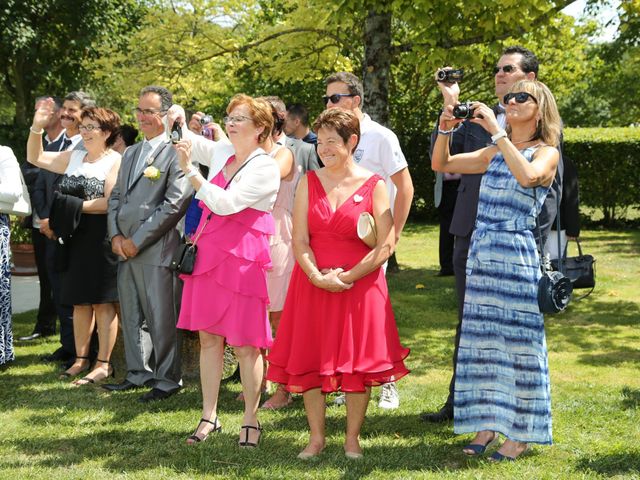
[(22, 254)]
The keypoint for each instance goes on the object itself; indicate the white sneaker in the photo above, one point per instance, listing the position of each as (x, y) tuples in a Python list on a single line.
[(340, 400), (389, 398)]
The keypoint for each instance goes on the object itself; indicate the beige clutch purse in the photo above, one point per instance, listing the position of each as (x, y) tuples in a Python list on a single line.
[(367, 229)]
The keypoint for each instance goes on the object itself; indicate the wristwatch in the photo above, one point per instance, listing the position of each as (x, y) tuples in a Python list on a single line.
[(501, 134)]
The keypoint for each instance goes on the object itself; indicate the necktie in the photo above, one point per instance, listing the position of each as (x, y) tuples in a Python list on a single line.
[(140, 163), (65, 144)]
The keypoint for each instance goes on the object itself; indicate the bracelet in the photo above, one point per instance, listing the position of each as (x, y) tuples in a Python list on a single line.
[(449, 132), (501, 134), (37, 133), (192, 172)]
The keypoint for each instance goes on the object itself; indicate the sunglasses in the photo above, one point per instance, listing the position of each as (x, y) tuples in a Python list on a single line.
[(335, 98), (520, 97), (505, 69)]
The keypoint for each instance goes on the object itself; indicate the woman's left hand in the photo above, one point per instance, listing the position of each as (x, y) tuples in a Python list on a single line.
[(484, 116), (183, 148), (331, 282)]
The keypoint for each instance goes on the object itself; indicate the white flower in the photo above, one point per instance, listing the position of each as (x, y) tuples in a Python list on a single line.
[(152, 173), (357, 198)]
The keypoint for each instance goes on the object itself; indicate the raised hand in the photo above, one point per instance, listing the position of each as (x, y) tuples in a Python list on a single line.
[(484, 116), (44, 113), (183, 149), (450, 91)]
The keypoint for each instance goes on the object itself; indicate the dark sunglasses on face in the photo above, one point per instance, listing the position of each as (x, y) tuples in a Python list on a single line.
[(505, 69), (335, 98), (520, 97)]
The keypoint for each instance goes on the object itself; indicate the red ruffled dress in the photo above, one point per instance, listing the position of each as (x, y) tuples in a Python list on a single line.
[(226, 294), (337, 341)]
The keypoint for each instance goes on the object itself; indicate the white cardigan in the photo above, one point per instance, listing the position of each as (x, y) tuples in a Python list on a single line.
[(10, 184), (255, 186)]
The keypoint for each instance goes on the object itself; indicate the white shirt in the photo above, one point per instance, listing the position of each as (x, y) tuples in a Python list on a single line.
[(207, 152), (75, 140), (255, 186), (154, 142), (10, 183), (379, 151)]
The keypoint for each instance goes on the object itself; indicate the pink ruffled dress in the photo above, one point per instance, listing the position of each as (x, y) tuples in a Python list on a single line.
[(227, 294)]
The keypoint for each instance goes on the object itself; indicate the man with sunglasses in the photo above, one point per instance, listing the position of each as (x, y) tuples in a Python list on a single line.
[(378, 151), (148, 200), (516, 63)]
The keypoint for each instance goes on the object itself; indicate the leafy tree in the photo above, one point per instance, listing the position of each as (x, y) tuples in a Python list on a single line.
[(48, 47)]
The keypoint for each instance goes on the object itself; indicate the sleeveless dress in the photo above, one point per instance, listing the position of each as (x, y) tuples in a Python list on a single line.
[(337, 341), (90, 277), (6, 334), (227, 294), (281, 243), (502, 373)]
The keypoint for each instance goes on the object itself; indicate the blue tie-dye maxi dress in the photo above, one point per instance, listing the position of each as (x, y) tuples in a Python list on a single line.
[(502, 375)]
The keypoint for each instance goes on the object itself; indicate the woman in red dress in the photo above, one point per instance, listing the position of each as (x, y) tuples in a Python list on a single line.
[(337, 331)]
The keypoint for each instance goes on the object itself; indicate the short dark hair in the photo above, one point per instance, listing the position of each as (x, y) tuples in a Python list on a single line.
[(353, 82), (56, 100), (528, 63), (108, 120), (84, 99), (299, 111), (344, 122), (129, 134), (166, 97)]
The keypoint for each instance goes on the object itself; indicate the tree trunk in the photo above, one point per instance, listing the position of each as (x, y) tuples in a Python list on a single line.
[(377, 62)]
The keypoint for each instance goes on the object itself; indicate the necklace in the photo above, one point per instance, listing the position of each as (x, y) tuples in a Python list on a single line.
[(106, 152)]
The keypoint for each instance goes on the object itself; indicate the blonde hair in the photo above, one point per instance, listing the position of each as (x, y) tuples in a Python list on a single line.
[(549, 123), (259, 110)]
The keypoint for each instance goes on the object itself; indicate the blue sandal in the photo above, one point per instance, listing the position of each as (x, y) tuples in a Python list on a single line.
[(479, 449)]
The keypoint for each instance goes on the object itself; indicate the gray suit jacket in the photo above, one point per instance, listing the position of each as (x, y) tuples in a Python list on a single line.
[(304, 154), (148, 211)]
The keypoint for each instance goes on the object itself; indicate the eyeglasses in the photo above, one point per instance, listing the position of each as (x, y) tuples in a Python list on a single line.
[(335, 98), (505, 69), (235, 119), (147, 111), (88, 128), (520, 97)]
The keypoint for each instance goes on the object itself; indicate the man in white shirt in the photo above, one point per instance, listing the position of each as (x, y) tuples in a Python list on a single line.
[(379, 151)]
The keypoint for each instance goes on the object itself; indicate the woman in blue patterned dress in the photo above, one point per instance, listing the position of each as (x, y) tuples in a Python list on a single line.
[(502, 374), (10, 191)]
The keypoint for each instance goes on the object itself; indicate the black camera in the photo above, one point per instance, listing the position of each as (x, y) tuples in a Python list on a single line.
[(176, 132), (463, 110), (206, 119), (450, 75)]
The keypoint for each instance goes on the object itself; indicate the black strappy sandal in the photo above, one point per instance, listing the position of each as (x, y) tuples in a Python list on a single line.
[(87, 380), (246, 443), (65, 375), (217, 428)]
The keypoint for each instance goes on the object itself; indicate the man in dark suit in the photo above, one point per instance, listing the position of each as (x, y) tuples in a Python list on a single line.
[(516, 63), (148, 200), (46, 319)]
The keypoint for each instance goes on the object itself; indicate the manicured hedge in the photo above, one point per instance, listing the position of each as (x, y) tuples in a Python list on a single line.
[(608, 163), (607, 159)]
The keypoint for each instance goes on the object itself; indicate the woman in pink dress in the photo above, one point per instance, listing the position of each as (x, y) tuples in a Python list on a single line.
[(337, 331), (225, 298)]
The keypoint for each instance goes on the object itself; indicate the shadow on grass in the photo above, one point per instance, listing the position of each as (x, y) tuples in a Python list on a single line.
[(614, 464), (631, 398)]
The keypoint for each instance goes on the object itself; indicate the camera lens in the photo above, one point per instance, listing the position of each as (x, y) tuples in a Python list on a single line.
[(206, 119), (175, 136), (463, 110), (441, 75)]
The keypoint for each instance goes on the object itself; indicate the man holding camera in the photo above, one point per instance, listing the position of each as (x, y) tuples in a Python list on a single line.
[(516, 63)]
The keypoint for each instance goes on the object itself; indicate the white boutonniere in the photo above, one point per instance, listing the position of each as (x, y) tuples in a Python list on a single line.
[(357, 199), (152, 173)]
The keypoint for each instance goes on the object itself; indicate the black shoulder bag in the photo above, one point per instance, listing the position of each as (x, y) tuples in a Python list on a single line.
[(554, 289), (184, 258)]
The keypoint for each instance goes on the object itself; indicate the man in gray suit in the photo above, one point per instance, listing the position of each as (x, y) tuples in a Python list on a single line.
[(147, 202)]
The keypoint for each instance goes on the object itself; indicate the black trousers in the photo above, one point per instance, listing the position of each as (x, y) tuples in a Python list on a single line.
[(445, 214), (65, 312), (460, 253), (46, 320)]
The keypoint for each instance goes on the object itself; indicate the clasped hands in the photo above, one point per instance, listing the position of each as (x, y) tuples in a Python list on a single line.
[(330, 279), (123, 247)]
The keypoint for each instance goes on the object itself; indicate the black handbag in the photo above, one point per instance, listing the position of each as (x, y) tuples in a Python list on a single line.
[(581, 270), (184, 258), (554, 288)]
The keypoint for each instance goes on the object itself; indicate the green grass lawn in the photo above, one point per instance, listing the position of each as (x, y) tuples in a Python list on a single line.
[(51, 430)]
